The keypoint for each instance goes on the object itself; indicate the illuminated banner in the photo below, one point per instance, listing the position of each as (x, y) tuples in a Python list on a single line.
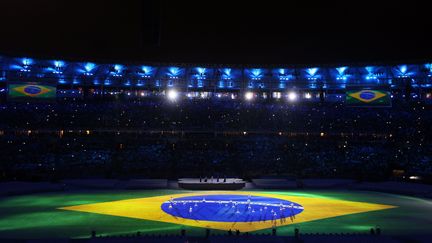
[(32, 91), (368, 97)]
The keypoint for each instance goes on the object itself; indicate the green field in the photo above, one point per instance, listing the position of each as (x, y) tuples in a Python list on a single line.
[(38, 216)]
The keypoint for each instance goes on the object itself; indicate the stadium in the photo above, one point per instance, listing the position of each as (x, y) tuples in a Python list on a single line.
[(96, 150)]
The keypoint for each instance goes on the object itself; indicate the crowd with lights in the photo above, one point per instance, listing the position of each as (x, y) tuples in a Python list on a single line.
[(165, 139)]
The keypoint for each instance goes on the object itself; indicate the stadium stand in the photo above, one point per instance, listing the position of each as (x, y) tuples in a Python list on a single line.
[(81, 126), (413, 189), (211, 183), (19, 187), (266, 238), (146, 184), (275, 183)]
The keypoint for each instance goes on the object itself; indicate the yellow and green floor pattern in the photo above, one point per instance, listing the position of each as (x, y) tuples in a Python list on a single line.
[(76, 214)]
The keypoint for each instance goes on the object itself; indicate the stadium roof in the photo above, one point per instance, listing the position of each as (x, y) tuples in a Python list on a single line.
[(212, 77)]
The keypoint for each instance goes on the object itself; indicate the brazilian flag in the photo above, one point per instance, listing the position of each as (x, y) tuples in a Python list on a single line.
[(368, 97), (32, 91)]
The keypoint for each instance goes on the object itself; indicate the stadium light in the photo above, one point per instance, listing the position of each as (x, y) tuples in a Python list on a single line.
[(277, 95), (308, 96), (249, 95), (172, 94), (292, 96)]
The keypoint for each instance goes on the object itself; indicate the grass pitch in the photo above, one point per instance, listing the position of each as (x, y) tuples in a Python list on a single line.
[(76, 214)]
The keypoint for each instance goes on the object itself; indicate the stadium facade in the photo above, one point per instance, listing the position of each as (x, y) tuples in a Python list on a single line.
[(214, 80)]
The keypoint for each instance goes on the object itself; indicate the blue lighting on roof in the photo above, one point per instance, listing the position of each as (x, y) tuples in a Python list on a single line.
[(201, 71), (256, 74), (107, 82), (173, 71), (341, 70), (283, 76), (118, 68), (429, 68), (89, 66), (403, 69), (226, 73), (341, 73), (371, 73), (15, 67), (370, 69), (27, 61), (201, 74), (58, 64), (278, 78), (147, 69), (312, 71)]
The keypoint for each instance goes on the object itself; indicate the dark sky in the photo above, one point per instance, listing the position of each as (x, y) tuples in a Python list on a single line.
[(265, 32)]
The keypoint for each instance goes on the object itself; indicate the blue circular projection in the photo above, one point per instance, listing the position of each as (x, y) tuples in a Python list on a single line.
[(32, 89), (367, 95), (231, 208)]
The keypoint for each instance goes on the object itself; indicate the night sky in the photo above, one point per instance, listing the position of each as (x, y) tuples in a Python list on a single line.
[(296, 32)]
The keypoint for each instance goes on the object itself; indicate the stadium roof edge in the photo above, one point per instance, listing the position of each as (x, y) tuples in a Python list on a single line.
[(215, 65)]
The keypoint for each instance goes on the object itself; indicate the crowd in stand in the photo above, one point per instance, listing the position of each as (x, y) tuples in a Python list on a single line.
[(211, 115), (165, 139)]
